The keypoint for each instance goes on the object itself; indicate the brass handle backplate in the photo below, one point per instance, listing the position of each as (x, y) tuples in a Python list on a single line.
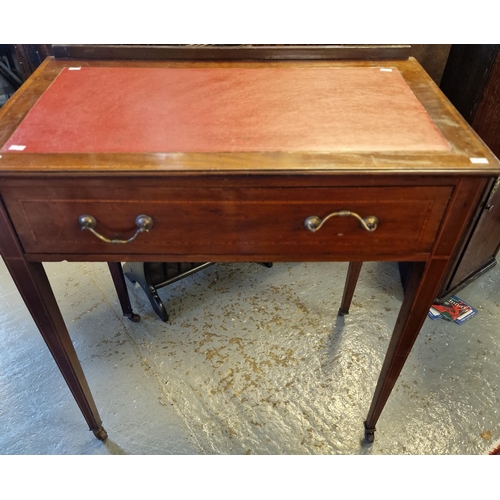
[(143, 222), (313, 223)]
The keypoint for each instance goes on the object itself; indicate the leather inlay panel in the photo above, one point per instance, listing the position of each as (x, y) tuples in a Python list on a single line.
[(104, 109)]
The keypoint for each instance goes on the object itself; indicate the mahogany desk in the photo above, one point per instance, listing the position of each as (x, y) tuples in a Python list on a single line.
[(235, 161)]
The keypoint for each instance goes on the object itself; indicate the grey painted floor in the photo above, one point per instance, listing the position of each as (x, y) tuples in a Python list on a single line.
[(253, 361)]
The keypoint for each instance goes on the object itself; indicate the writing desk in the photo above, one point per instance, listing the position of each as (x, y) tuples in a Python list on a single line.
[(270, 161)]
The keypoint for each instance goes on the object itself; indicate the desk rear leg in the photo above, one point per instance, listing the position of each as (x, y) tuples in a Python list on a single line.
[(118, 277), (350, 286)]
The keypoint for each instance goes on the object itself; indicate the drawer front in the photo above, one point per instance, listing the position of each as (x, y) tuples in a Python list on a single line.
[(233, 221)]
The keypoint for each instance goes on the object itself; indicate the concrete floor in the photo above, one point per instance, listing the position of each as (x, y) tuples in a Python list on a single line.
[(253, 361)]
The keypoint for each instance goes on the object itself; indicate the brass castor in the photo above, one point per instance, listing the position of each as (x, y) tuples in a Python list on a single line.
[(135, 318), (369, 434), (101, 434)]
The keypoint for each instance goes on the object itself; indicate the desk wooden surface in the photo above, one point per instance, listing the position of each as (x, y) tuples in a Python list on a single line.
[(464, 143), (240, 189)]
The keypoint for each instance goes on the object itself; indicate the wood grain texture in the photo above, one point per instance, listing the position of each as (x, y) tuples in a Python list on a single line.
[(247, 221)]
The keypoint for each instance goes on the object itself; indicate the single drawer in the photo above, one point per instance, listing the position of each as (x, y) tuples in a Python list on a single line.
[(245, 222)]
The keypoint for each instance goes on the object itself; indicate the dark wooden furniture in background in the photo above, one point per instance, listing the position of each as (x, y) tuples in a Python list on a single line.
[(471, 80), (22, 60), (224, 204)]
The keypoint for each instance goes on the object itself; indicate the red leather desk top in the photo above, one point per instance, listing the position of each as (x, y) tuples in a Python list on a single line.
[(91, 110)]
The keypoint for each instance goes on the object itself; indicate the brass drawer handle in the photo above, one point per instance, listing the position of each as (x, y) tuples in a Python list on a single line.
[(143, 222), (313, 223)]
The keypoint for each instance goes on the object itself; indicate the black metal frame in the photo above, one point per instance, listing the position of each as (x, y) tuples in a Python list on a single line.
[(154, 275)]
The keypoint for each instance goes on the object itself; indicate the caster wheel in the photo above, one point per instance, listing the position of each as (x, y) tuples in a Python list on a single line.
[(135, 318), (101, 434), (369, 434), (369, 437)]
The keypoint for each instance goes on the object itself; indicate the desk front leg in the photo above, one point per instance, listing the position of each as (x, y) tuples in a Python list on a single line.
[(34, 287), (419, 296), (423, 285)]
